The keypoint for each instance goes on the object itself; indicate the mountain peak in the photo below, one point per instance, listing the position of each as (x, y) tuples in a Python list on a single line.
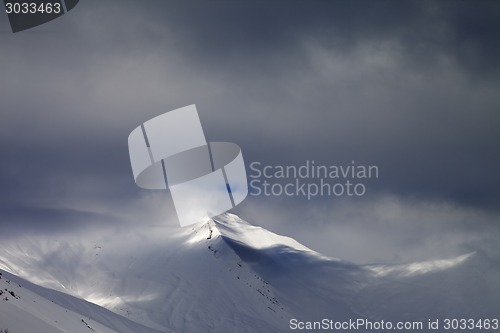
[(232, 227), (225, 274)]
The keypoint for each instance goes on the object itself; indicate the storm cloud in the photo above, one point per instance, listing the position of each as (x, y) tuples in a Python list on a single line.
[(411, 87)]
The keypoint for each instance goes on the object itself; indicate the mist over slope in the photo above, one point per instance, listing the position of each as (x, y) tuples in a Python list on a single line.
[(25, 307), (225, 274)]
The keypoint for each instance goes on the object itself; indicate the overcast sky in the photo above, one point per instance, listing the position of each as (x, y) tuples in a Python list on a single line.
[(409, 86)]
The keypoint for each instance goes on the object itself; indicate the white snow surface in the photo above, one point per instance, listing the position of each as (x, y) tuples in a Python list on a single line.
[(222, 275)]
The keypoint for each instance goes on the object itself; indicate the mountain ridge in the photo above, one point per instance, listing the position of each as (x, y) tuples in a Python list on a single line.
[(225, 274)]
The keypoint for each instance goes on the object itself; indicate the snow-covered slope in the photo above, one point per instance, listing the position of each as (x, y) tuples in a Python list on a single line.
[(464, 287), (313, 287), (187, 279), (225, 275), (25, 307)]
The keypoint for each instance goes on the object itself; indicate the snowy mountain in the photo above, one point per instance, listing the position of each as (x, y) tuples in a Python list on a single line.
[(25, 307), (223, 275)]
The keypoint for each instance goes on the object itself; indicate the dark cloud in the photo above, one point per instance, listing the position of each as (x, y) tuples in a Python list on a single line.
[(409, 86)]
